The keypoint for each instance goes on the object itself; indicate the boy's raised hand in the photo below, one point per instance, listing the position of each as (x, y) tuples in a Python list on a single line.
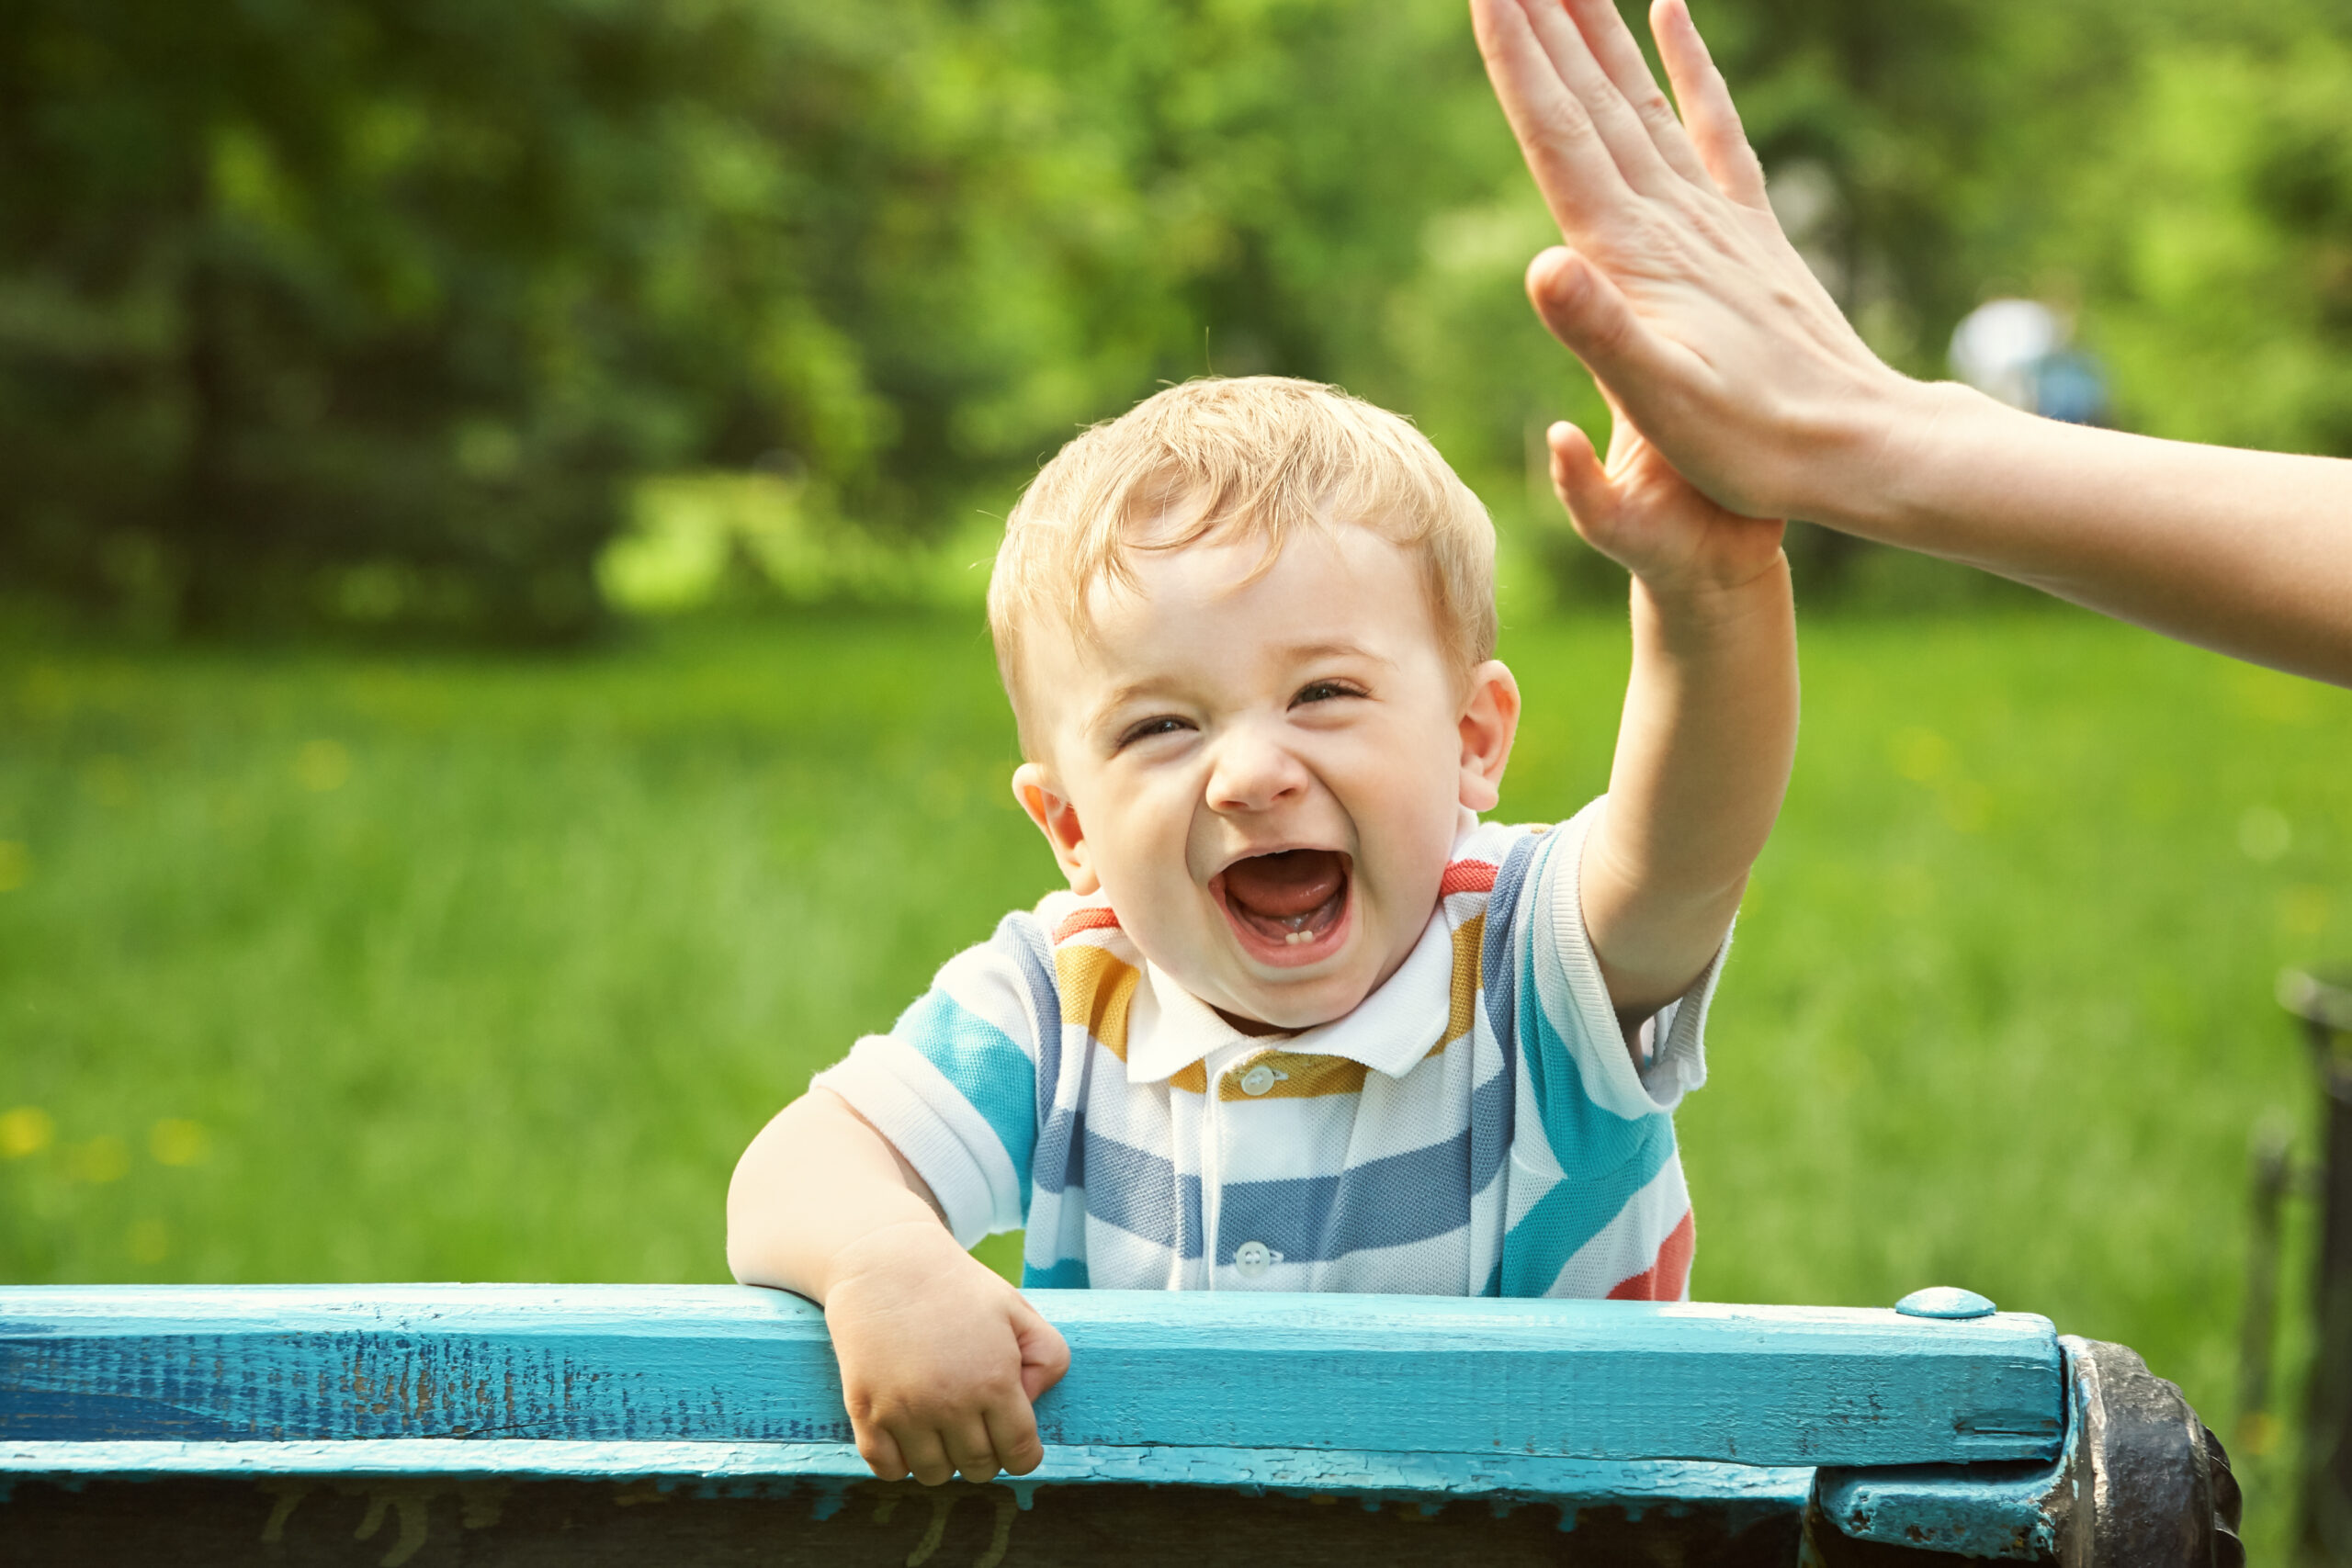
[(1637, 511), (1710, 721), (941, 1360)]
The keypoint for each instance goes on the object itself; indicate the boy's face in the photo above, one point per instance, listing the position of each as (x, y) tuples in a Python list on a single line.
[(1264, 776)]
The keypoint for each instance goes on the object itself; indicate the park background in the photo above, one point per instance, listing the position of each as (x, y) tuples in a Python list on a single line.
[(493, 508)]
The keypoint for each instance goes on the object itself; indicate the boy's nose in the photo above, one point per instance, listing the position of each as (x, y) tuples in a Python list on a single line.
[(1252, 774)]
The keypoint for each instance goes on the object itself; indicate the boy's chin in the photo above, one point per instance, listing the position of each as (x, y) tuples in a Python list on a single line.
[(1291, 1006)]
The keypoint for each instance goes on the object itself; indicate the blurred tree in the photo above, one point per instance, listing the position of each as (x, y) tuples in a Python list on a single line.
[(368, 307), (376, 310), (2216, 238), (343, 283)]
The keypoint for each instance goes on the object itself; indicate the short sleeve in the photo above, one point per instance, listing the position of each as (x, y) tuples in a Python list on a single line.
[(1575, 999), (953, 1085)]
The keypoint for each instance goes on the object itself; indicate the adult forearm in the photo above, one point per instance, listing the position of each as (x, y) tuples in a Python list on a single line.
[(2249, 553), (816, 1181), (1702, 764)]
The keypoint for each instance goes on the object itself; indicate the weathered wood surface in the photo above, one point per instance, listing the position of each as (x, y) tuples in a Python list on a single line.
[(494, 1523), (496, 1370)]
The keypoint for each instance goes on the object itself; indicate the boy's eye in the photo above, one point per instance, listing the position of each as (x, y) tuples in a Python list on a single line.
[(1324, 691), (1145, 729)]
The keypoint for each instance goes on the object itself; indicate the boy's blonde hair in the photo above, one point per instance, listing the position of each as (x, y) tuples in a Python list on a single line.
[(1254, 456)]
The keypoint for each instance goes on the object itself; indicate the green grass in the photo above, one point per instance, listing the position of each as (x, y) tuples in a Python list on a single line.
[(470, 969)]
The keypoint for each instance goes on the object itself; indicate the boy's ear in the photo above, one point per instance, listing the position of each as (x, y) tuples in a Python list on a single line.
[(1489, 723), (1058, 819)]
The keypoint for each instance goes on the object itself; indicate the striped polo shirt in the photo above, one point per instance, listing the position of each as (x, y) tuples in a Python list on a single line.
[(1477, 1126)]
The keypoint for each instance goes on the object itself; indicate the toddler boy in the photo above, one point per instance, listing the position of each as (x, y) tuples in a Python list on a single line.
[(1302, 1021)]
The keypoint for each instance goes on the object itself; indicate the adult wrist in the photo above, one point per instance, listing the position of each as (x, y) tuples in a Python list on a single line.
[(1919, 442), (1825, 453)]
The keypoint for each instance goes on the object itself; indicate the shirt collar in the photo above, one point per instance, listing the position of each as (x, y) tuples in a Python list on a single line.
[(1390, 1032)]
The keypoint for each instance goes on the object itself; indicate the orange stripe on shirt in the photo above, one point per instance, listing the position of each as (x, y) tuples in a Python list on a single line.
[(1664, 1279), (1298, 1076), (1094, 917), (1469, 939), (1097, 986), (1466, 877)]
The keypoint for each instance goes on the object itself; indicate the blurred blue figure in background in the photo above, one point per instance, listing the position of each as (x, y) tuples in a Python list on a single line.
[(2017, 350)]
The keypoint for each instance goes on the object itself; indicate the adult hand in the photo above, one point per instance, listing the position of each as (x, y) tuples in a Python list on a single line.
[(1677, 287), (1679, 292)]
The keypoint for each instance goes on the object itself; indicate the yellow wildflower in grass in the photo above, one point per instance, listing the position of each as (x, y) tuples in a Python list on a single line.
[(104, 1159), (26, 1130), (321, 765), (176, 1141), (1920, 754), (2303, 910)]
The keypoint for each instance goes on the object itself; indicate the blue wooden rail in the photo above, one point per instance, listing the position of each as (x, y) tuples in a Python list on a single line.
[(1954, 1432)]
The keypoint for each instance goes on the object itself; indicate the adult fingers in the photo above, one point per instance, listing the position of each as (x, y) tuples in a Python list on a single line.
[(1707, 108), (1572, 168), (926, 1456), (1012, 1434), (969, 1447), (1612, 46), (1618, 124), (1588, 314), (1044, 1354)]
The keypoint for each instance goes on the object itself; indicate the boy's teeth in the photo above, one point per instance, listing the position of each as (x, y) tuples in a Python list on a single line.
[(1295, 937)]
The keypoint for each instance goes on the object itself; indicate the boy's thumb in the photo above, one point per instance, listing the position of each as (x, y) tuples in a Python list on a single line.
[(1044, 1354), (1580, 479), (1587, 313)]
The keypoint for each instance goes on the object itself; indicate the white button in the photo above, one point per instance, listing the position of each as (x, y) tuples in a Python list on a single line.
[(1252, 1258), (1257, 1079)]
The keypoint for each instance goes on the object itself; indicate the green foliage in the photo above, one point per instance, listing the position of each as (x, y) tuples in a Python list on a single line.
[(374, 309), (383, 311), (293, 284), (2224, 294)]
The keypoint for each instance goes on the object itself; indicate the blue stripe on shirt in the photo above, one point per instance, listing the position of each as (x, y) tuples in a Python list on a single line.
[(1576, 1210), (1143, 1194), (991, 1072)]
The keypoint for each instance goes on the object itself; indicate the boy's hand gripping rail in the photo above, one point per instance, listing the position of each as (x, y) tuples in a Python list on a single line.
[(201, 1424)]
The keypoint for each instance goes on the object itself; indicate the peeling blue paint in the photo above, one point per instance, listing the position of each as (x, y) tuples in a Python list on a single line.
[(824, 1474), (1993, 1510), (1194, 1373), (1386, 1401)]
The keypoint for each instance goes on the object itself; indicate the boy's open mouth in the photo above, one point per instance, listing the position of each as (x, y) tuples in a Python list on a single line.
[(1287, 907)]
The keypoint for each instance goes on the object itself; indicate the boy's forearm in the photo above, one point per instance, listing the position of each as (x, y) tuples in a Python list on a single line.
[(818, 1180), (1702, 764)]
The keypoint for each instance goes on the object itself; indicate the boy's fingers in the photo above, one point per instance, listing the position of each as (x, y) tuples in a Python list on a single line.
[(1620, 57), (969, 1449), (1707, 108), (880, 1453), (926, 1457), (1557, 137), (1013, 1433), (1044, 1354), (1578, 477)]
